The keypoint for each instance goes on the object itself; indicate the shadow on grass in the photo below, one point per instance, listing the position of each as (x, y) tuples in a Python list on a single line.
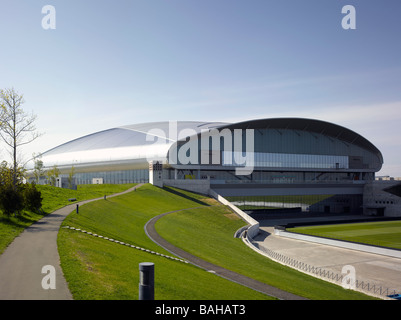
[(185, 195), (20, 221)]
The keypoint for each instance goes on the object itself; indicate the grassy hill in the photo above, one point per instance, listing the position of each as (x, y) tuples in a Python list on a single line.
[(100, 269), (53, 199)]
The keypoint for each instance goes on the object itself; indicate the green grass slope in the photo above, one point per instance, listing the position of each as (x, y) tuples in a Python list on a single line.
[(385, 234), (53, 199), (99, 269), (208, 233)]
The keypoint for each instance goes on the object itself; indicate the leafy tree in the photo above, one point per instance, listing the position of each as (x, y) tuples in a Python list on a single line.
[(8, 175), (38, 171), (17, 128), (71, 177), (52, 175)]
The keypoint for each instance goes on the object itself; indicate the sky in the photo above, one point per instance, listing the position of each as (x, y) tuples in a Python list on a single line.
[(112, 63)]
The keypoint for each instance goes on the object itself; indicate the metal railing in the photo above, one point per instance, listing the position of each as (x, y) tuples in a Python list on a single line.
[(288, 181), (331, 276)]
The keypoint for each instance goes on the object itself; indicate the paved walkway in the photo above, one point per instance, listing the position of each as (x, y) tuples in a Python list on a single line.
[(227, 274), (22, 262), (371, 268)]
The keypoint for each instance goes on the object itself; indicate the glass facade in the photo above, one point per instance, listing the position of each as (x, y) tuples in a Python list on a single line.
[(268, 177), (288, 160), (300, 203), (112, 177), (283, 151)]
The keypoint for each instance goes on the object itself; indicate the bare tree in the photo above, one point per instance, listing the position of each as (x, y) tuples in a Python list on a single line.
[(17, 128)]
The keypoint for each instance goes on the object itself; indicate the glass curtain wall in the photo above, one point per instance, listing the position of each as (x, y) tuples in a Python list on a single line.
[(113, 177), (299, 203), (289, 160)]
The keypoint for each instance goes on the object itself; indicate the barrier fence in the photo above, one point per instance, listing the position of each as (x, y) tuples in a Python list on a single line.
[(331, 276)]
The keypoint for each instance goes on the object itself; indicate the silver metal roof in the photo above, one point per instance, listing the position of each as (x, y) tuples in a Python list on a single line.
[(137, 141), (153, 140)]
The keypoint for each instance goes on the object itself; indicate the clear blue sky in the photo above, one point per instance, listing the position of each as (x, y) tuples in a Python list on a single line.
[(112, 63)]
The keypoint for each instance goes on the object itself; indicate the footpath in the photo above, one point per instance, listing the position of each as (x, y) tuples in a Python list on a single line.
[(30, 254), (222, 272)]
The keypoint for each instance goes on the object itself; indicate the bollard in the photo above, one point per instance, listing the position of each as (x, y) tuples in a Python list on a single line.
[(146, 281), (77, 207)]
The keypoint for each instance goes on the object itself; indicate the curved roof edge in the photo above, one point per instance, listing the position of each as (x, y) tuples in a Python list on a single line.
[(311, 125), (299, 124)]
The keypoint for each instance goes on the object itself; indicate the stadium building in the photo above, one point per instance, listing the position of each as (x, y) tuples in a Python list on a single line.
[(291, 164)]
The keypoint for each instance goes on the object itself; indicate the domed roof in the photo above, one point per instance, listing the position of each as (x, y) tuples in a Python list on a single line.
[(153, 139)]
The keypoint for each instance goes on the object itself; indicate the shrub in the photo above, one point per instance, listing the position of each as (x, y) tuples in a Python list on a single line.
[(11, 200), (32, 198)]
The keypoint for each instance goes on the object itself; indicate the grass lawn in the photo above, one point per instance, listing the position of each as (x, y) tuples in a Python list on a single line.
[(385, 234), (208, 233), (56, 198), (53, 199), (99, 269)]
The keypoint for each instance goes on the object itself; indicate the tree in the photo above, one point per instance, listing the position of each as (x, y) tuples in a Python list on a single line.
[(7, 175), (38, 171), (52, 175), (15, 125), (71, 177)]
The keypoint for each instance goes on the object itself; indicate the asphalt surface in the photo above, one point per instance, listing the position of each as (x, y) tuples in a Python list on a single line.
[(225, 273), (22, 263), (379, 270)]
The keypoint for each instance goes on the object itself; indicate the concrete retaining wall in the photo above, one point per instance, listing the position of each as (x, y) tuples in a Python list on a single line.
[(376, 199), (341, 244), (196, 185), (253, 229)]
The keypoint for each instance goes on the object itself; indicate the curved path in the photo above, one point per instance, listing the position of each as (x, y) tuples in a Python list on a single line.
[(222, 272), (22, 262)]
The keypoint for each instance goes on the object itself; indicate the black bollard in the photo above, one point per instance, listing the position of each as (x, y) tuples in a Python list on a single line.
[(77, 207), (146, 281)]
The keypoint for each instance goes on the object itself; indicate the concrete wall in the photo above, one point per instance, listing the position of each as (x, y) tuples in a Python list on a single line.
[(356, 188), (198, 186), (253, 229), (376, 201)]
